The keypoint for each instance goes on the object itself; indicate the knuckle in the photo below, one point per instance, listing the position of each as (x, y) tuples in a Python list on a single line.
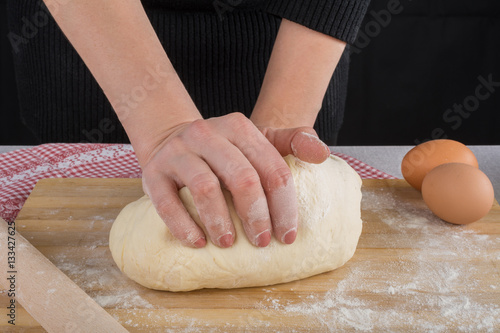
[(237, 117), (241, 124), (199, 129), (278, 177), (205, 186), (245, 179)]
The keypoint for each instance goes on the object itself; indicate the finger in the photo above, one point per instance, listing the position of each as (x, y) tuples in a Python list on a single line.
[(163, 193), (243, 181), (239, 177), (302, 142), (208, 198), (275, 176)]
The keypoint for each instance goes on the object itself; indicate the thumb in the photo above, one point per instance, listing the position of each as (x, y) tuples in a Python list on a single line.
[(302, 142)]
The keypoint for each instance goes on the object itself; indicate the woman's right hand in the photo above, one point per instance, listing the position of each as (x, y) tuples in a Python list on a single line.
[(228, 151), (200, 154), (134, 71)]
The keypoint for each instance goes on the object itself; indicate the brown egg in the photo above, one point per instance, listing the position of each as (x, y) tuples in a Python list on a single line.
[(458, 193), (428, 155)]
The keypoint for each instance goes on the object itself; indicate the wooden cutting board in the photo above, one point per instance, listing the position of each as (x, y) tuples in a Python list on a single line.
[(411, 271)]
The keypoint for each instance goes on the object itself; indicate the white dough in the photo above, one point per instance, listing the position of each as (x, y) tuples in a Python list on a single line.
[(329, 197)]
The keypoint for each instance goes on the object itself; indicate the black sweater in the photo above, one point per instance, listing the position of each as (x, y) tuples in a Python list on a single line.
[(220, 49)]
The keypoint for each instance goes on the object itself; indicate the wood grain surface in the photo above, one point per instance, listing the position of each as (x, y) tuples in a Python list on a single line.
[(52, 297), (411, 271)]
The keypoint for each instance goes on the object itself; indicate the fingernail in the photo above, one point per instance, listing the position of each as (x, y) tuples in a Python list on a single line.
[(225, 240), (318, 140), (263, 239), (294, 150), (289, 236), (200, 242)]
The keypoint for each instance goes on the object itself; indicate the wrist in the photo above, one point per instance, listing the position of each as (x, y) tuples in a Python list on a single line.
[(283, 115), (300, 68), (151, 119)]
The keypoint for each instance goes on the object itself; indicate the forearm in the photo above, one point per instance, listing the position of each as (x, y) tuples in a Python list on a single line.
[(118, 44), (299, 71)]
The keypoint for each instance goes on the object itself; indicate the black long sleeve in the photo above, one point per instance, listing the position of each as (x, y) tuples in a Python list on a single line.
[(220, 57), (337, 18)]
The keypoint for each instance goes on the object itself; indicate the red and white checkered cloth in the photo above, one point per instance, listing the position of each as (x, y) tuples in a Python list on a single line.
[(21, 169)]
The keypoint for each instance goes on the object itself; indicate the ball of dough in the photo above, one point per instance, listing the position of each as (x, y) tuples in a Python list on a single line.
[(329, 199)]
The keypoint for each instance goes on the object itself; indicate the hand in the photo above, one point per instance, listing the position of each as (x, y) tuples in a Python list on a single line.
[(228, 151), (302, 142)]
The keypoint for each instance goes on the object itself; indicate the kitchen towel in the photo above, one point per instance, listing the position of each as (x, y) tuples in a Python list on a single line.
[(21, 169)]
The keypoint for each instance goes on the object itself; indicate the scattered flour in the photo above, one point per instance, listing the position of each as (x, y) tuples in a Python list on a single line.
[(442, 289), (438, 287), (95, 276), (123, 300)]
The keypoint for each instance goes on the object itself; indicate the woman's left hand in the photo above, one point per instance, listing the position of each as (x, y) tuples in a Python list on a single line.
[(302, 142)]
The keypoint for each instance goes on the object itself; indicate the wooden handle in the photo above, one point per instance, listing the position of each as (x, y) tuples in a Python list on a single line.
[(48, 295)]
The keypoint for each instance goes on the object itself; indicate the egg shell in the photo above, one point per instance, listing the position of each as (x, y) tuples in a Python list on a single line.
[(458, 193), (428, 155)]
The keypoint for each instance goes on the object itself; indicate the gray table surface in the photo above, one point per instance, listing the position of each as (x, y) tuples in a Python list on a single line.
[(388, 159)]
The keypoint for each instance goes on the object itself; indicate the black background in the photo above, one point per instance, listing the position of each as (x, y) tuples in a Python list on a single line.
[(407, 70), (427, 59)]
